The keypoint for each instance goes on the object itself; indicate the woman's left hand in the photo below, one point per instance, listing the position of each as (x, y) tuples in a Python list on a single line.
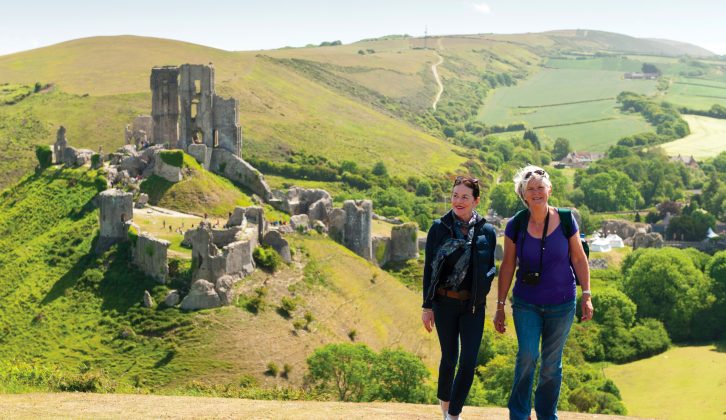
[(587, 309)]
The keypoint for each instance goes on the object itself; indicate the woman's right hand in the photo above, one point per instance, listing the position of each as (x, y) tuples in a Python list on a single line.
[(499, 321), (428, 319)]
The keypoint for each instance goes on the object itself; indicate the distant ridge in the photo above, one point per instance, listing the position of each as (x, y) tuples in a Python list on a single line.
[(624, 43)]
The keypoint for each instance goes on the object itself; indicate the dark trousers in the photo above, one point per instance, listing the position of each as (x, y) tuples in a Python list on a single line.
[(455, 323)]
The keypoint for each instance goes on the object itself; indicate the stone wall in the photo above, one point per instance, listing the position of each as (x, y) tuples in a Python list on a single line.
[(166, 171), (227, 131), (256, 215), (381, 246), (357, 229), (404, 242), (150, 255), (200, 153), (116, 208), (165, 104), (623, 228), (235, 168), (73, 157), (211, 262), (196, 96)]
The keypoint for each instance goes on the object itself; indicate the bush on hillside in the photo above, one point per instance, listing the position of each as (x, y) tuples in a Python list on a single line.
[(267, 258), (44, 155), (353, 372)]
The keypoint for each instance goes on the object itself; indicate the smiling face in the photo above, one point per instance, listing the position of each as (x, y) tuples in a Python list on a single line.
[(463, 202), (536, 193)]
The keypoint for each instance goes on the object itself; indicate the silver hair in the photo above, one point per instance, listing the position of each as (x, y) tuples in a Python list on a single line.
[(521, 180)]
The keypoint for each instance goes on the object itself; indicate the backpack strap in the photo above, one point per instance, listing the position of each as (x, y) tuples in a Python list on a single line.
[(566, 221), (521, 219)]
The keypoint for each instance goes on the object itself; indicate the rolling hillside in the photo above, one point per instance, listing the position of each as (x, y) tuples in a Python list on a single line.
[(367, 102), (71, 317)]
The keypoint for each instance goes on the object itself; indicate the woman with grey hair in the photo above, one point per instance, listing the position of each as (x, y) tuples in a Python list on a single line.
[(544, 296)]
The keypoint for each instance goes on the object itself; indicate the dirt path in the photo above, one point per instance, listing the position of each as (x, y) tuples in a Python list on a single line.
[(438, 80), (119, 406)]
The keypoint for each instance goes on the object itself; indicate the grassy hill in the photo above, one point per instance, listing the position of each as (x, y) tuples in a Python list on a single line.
[(682, 383), (72, 320), (368, 101)]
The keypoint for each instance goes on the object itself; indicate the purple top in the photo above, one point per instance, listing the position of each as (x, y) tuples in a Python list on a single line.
[(557, 280)]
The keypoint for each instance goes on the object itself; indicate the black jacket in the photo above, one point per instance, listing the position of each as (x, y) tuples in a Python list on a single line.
[(482, 260)]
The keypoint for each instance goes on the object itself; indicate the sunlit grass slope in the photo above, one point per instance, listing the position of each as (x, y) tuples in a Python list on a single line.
[(280, 110), (64, 307), (346, 299), (681, 384), (199, 192)]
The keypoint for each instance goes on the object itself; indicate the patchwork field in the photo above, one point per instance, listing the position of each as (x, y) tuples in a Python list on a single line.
[(707, 138), (683, 383), (576, 104), (697, 93)]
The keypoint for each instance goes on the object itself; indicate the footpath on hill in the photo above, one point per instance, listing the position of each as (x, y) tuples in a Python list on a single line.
[(118, 406)]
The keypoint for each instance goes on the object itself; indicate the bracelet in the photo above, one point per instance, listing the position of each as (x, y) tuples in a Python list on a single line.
[(427, 310), (499, 302), (587, 292), (500, 309)]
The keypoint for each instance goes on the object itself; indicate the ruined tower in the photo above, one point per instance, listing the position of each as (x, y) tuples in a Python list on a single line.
[(165, 105), (357, 227), (196, 93), (116, 207)]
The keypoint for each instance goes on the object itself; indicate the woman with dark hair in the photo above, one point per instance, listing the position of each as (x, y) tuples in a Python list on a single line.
[(458, 272), (543, 303)]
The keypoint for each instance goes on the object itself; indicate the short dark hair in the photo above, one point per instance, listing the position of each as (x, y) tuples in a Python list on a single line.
[(470, 182)]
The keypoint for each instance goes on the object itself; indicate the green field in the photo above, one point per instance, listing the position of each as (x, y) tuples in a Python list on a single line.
[(581, 103), (683, 383), (697, 93), (707, 138)]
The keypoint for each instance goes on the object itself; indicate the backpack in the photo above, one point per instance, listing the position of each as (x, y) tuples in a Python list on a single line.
[(521, 219)]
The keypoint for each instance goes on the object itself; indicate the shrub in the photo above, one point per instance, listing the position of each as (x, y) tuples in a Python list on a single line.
[(287, 306), (95, 160), (44, 155), (267, 258), (272, 369)]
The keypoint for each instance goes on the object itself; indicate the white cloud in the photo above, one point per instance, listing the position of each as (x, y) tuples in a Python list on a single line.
[(482, 8)]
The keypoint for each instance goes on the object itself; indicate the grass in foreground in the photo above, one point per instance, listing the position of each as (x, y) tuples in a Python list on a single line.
[(682, 383)]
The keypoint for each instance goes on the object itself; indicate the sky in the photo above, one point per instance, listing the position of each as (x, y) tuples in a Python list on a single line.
[(267, 24)]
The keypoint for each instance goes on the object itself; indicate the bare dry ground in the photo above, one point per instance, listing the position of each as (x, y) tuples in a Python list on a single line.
[(120, 406)]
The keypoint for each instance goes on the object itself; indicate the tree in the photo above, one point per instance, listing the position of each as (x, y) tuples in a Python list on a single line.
[(379, 169), (561, 148), (343, 369), (533, 138), (650, 68), (504, 200), (691, 227), (666, 285), (423, 189), (400, 376), (44, 155)]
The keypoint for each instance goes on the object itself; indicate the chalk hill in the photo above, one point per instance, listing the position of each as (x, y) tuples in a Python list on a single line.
[(63, 306), (368, 101)]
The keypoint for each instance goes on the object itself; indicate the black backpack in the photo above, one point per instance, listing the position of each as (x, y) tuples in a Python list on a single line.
[(521, 219)]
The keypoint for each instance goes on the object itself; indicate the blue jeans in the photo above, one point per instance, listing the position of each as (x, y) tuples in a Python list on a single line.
[(453, 323), (552, 324)]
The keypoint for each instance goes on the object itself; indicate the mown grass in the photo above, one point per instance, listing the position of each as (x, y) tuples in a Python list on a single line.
[(707, 138), (682, 383)]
